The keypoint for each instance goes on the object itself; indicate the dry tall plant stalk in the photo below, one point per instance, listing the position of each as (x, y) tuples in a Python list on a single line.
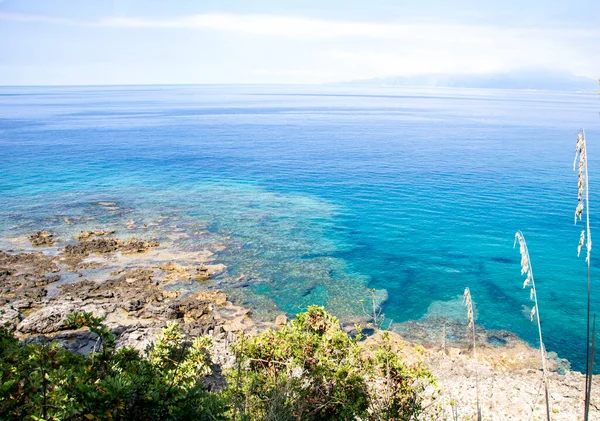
[(586, 236), (468, 302), (375, 315), (527, 270)]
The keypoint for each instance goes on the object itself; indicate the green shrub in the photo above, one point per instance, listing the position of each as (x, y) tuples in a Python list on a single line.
[(311, 370), (43, 381), (396, 387)]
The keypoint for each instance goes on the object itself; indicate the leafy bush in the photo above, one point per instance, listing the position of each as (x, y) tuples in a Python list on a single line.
[(312, 370), (43, 381), (309, 369), (396, 387)]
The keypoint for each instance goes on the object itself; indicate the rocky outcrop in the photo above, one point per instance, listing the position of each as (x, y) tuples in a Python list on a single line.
[(47, 320), (25, 276), (42, 238), (132, 291), (176, 272), (9, 317), (132, 300), (505, 380), (97, 245), (74, 254), (108, 245), (84, 235), (137, 246)]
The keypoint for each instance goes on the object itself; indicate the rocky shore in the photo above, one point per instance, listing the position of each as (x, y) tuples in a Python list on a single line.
[(136, 302), (112, 277)]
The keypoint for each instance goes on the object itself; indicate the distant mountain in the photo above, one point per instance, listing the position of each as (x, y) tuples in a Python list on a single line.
[(536, 80)]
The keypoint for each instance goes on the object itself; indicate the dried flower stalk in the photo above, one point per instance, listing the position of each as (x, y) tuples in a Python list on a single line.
[(527, 270), (586, 235), (468, 302)]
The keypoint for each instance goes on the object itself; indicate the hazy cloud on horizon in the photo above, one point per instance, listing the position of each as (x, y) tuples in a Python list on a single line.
[(138, 42)]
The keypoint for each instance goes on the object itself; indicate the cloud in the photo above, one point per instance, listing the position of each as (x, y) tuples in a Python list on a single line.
[(274, 25), (27, 18), (309, 28), (314, 50), (318, 29)]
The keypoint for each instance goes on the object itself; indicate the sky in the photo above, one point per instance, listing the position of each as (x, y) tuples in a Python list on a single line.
[(82, 42)]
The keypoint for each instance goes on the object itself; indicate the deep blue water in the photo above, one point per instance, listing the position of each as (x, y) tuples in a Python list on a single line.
[(321, 192)]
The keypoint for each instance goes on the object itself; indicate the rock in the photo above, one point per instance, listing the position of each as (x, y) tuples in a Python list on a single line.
[(42, 238), (108, 245), (25, 276), (171, 267), (9, 318), (217, 297), (134, 304), (137, 246), (201, 273), (80, 342), (281, 320), (97, 245), (73, 255), (130, 291), (189, 309), (67, 221), (84, 235), (138, 337), (216, 269), (21, 304), (48, 320), (176, 272)]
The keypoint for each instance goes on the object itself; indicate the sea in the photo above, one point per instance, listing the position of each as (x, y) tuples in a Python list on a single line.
[(338, 196)]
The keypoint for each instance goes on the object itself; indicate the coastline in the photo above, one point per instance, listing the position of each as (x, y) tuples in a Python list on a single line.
[(136, 283)]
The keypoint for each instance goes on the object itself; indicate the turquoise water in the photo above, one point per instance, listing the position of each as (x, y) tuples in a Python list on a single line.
[(317, 193)]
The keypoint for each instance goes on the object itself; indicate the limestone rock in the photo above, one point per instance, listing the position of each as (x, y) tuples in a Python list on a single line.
[(9, 318), (42, 238), (176, 272), (84, 235), (48, 320), (25, 276), (281, 320), (134, 245)]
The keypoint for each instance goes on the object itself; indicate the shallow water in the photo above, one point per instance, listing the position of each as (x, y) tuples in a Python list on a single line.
[(313, 194)]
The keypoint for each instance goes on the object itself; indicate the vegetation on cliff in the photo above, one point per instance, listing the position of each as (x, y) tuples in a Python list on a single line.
[(308, 369)]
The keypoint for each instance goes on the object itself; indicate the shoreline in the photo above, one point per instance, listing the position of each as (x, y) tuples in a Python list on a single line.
[(99, 256), (137, 285)]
